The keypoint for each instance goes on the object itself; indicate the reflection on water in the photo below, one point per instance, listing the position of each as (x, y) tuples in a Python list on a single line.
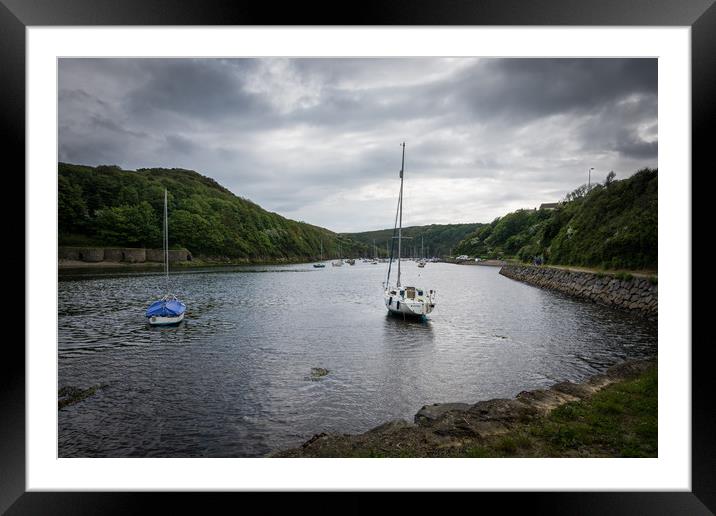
[(234, 378)]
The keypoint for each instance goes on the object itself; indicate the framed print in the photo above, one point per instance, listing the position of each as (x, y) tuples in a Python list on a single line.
[(181, 163)]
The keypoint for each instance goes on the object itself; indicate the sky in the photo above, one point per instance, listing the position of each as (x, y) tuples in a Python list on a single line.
[(318, 140)]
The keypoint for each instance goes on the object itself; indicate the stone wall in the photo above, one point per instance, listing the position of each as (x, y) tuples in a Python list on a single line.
[(113, 255), (91, 254), (121, 254), (155, 255), (636, 295), (68, 253), (179, 255)]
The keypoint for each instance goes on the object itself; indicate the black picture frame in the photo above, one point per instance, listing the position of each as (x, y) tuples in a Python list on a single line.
[(700, 15)]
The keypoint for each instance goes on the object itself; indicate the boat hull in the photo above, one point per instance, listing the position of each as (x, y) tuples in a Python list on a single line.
[(408, 307), (160, 320)]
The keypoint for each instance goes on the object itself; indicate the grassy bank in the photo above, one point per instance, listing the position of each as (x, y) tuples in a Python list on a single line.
[(611, 415), (620, 421)]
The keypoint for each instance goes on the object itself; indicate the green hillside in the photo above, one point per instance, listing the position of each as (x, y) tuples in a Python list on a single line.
[(108, 206), (612, 226), (437, 239)]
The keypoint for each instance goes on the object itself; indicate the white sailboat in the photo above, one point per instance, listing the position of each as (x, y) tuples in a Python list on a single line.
[(339, 261), (320, 265), (407, 300), (421, 262), (169, 309)]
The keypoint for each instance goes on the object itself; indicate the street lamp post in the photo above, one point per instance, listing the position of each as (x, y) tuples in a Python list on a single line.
[(589, 178)]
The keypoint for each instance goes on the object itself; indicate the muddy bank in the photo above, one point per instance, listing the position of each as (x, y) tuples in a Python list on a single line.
[(454, 429), (71, 267)]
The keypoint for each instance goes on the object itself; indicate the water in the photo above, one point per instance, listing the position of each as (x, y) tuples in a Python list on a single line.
[(235, 378)]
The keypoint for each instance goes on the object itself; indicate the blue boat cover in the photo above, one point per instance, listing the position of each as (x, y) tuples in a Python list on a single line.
[(166, 308)]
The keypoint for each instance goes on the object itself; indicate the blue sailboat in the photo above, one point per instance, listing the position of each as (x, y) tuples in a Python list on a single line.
[(168, 310)]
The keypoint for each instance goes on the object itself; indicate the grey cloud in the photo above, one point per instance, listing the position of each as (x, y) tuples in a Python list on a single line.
[(198, 88), (295, 135), (519, 89)]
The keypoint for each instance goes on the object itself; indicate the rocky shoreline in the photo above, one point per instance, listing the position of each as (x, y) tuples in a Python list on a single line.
[(441, 428), (637, 295)]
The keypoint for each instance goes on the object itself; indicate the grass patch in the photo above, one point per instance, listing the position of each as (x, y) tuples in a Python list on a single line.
[(619, 421), (479, 452), (624, 276)]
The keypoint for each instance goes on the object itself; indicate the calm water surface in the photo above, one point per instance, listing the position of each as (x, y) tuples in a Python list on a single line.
[(234, 378)]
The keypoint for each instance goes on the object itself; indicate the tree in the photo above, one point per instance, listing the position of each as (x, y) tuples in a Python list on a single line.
[(577, 193), (133, 226), (71, 207), (610, 179)]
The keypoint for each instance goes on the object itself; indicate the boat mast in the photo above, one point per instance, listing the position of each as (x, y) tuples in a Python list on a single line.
[(400, 200), (166, 241)]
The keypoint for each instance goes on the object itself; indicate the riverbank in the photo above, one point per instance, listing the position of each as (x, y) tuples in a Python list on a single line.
[(635, 294), (196, 263), (489, 263), (610, 415)]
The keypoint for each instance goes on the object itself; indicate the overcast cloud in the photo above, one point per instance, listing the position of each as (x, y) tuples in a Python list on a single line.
[(318, 139)]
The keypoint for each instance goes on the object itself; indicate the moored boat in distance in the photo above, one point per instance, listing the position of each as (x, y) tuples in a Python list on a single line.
[(421, 262), (339, 261), (166, 311), (320, 265), (405, 299)]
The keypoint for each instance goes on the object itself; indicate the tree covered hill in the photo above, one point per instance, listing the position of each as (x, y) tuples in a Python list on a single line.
[(108, 206), (437, 239), (612, 225)]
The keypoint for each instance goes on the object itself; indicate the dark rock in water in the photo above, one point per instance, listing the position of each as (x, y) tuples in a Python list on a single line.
[(69, 395), (318, 372)]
